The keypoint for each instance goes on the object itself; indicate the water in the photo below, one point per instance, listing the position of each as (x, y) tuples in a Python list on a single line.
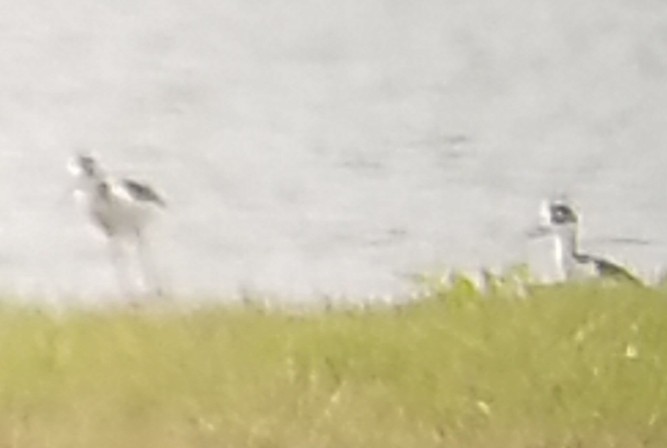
[(312, 149)]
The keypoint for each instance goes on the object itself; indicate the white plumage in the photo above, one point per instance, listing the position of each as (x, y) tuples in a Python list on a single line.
[(122, 210), (559, 220)]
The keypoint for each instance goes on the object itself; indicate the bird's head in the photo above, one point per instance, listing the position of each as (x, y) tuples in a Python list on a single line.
[(557, 217), (84, 165)]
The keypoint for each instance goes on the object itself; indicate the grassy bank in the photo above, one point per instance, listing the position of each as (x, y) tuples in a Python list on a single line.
[(566, 367)]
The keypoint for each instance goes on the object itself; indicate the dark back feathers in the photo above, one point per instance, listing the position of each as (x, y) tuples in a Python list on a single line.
[(142, 192), (608, 269)]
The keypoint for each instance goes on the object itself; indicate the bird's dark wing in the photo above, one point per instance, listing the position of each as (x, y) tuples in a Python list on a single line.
[(142, 192), (608, 269)]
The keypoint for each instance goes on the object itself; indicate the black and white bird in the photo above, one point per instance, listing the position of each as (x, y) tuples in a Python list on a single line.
[(121, 209), (560, 221)]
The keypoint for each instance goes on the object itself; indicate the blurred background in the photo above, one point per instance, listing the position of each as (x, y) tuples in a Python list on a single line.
[(312, 148)]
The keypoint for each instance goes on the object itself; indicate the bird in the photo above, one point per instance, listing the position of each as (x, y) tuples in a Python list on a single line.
[(121, 209), (560, 221)]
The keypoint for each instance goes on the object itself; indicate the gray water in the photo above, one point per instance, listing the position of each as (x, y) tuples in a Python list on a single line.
[(312, 148)]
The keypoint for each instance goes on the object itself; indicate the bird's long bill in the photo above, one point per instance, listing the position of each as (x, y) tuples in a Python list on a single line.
[(538, 231)]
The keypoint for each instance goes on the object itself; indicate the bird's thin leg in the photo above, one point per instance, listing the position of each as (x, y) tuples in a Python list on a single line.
[(149, 272), (120, 269)]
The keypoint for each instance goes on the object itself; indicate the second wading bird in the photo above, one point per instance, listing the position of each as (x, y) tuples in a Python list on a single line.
[(121, 209), (561, 222)]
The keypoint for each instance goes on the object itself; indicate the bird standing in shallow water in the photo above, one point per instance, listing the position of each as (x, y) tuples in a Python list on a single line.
[(561, 222), (121, 209)]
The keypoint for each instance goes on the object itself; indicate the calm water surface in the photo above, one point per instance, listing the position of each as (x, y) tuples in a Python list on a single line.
[(314, 149)]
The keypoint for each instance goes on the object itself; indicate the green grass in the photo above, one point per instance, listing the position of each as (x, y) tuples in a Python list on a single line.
[(576, 366)]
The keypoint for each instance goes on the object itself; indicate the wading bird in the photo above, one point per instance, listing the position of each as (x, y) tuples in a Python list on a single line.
[(561, 222), (121, 209)]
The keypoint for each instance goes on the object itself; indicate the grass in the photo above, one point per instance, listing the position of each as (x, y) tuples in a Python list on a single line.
[(572, 366)]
